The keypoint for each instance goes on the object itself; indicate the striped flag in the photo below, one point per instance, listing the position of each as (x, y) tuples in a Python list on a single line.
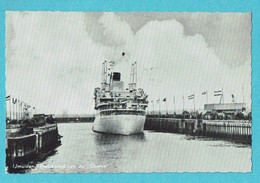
[(7, 98), (204, 93), (191, 97), (218, 93)]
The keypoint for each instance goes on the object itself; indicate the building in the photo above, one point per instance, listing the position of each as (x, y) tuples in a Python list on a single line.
[(228, 108)]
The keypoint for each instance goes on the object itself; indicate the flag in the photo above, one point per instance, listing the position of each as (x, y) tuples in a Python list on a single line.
[(233, 98), (164, 100), (204, 93), (191, 97), (14, 100), (158, 100), (218, 93), (151, 100), (7, 98)]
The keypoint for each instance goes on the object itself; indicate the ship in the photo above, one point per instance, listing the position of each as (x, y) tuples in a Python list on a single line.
[(119, 110)]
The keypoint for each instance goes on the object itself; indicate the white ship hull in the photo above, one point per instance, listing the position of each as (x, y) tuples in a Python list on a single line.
[(119, 124)]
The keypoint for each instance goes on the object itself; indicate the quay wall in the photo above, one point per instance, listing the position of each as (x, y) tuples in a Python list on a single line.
[(234, 130), (238, 130), (75, 119)]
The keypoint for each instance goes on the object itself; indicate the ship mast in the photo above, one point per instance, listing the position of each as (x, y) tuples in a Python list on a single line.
[(103, 77), (133, 77)]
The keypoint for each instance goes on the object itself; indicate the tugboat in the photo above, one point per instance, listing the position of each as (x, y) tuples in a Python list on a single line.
[(119, 110)]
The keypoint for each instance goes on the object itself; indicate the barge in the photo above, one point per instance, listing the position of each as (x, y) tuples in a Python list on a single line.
[(30, 139)]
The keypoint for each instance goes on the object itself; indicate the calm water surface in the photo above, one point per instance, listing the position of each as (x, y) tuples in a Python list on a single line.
[(84, 151)]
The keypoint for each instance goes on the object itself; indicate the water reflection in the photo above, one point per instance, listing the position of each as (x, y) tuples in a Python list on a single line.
[(112, 149), (106, 138)]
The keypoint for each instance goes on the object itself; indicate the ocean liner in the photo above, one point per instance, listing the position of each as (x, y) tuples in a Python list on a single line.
[(119, 110)]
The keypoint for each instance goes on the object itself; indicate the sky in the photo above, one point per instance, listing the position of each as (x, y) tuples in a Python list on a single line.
[(54, 59)]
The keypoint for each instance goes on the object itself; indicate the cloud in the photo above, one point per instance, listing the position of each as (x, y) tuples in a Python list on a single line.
[(54, 60)]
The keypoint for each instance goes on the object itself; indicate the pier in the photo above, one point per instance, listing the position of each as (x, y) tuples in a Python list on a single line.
[(233, 130)]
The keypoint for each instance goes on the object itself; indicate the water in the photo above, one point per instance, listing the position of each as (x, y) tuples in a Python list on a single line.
[(84, 151)]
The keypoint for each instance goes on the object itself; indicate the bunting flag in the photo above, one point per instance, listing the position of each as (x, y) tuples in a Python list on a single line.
[(14, 100), (191, 97), (164, 100), (7, 98), (158, 100), (218, 93), (204, 93)]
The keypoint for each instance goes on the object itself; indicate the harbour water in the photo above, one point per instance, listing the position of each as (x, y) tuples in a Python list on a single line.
[(84, 151)]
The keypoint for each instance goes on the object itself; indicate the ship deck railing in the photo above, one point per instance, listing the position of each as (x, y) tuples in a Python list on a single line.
[(45, 128), (20, 137), (129, 110), (107, 104)]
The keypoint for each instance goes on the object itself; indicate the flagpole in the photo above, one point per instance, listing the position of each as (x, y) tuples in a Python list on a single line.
[(174, 104), (13, 109), (183, 103), (153, 106), (159, 106), (10, 108), (16, 110), (166, 107), (194, 102), (5, 109), (20, 109), (223, 95), (243, 93), (207, 97), (20, 115)]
